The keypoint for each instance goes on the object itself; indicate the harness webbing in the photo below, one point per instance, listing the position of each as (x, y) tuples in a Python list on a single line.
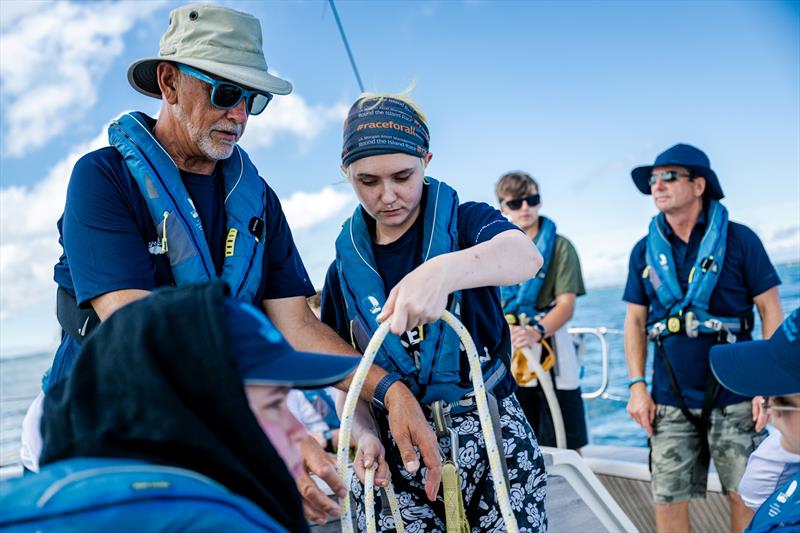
[(710, 395)]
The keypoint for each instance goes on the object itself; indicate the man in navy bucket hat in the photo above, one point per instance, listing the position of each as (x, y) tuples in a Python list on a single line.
[(692, 283), (684, 155), (770, 368)]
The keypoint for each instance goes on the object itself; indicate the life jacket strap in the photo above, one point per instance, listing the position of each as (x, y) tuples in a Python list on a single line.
[(690, 324), (467, 402), (710, 395)]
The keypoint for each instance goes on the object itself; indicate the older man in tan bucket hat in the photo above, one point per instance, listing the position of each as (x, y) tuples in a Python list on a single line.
[(175, 201)]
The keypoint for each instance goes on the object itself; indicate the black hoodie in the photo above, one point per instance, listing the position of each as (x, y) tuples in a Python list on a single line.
[(156, 381)]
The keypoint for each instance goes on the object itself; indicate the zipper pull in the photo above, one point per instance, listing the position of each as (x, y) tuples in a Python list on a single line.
[(164, 246)]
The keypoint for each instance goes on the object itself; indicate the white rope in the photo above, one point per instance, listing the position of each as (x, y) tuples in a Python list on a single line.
[(546, 381), (492, 451)]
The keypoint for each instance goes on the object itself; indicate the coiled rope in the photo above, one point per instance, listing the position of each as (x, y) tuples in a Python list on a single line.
[(492, 451)]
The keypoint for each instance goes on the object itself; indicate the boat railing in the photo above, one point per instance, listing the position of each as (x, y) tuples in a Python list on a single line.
[(579, 335)]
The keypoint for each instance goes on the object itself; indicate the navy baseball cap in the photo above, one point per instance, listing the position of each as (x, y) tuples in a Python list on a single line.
[(263, 356), (762, 368), (682, 155)]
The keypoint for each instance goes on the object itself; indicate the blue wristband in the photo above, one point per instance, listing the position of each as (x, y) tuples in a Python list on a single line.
[(379, 397), (634, 381)]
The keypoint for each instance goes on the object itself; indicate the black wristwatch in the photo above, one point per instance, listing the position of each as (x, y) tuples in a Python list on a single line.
[(540, 328), (378, 399)]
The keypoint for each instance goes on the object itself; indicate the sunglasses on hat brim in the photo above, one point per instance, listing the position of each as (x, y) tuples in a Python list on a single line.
[(532, 200), (227, 95)]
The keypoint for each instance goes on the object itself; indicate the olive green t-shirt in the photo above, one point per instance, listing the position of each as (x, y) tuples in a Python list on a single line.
[(563, 276)]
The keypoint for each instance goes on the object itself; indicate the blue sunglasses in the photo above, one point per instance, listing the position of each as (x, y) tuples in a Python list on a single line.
[(227, 95)]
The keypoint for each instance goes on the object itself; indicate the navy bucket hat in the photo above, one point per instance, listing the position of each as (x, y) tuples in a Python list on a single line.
[(762, 368), (682, 155)]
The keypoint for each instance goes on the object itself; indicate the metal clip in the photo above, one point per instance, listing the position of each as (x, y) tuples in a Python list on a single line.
[(454, 446), (691, 324)]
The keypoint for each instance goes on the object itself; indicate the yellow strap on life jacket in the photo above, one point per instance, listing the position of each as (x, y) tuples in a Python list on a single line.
[(230, 242), (455, 516)]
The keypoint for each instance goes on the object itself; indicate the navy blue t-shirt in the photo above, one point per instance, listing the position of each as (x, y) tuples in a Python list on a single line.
[(746, 273), (481, 311), (109, 240)]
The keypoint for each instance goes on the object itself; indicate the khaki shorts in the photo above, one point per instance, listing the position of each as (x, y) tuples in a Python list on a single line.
[(677, 474)]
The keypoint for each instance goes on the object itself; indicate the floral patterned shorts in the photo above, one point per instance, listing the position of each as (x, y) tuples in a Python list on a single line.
[(526, 472)]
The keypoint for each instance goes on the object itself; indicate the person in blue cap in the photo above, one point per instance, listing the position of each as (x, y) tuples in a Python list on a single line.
[(186, 377), (411, 250), (770, 368), (692, 283)]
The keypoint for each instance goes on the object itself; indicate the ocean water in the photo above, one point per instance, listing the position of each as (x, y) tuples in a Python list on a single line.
[(20, 377), (608, 422)]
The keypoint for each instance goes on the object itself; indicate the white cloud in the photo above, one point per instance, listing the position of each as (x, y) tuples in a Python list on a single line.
[(51, 61), (291, 114), (28, 236), (304, 210), (29, 239)]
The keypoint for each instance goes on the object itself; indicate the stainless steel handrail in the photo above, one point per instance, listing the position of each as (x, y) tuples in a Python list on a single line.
[(600, 333)]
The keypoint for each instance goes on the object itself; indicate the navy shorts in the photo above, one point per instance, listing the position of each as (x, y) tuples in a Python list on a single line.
[(534, 405)]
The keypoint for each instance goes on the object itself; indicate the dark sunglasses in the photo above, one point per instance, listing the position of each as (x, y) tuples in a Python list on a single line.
[(667, 176), (532, 201), (227, 95)]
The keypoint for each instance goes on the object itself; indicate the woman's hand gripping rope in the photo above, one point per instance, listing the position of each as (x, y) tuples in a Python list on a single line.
[(483, 413)]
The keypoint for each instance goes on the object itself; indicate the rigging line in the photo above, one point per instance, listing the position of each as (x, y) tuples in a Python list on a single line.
[(346, 45)]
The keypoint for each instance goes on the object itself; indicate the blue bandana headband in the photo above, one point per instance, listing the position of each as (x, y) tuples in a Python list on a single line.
[(379, 126)]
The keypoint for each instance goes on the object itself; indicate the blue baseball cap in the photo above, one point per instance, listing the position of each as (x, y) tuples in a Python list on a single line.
[(762, 368), (686, 156), (263, 356)]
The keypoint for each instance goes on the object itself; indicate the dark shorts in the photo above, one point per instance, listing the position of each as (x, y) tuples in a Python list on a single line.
[(534, 405)]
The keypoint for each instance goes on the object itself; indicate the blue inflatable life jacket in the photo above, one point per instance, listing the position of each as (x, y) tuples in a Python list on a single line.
[(438, 375), (125, 495), (688, 313), (521, 299), (178, 223)]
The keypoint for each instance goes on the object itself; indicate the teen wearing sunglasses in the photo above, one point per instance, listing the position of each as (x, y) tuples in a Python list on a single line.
[(692, 284), (176, 201), (547, 302)]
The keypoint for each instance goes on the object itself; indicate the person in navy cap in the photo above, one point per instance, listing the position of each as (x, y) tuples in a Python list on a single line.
[(692, 283), (770, 368), (191, 377)]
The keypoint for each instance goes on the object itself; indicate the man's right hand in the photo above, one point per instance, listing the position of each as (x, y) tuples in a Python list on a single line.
[(317, 506), (410, 429), (642, 408)]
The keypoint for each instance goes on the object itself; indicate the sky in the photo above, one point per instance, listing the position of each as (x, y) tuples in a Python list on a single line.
[(577, 93)]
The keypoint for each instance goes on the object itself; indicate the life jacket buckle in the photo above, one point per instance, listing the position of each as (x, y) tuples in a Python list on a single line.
[(691, 325), (674, 324)]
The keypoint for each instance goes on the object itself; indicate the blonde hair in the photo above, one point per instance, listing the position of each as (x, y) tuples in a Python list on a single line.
[(376, 99)]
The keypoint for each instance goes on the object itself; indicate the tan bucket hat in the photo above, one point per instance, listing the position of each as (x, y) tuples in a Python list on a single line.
[(218, 40)]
